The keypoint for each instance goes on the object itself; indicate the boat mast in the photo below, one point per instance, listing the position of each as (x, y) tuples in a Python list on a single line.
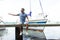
[(41, 6), (42, 9), (30, 8)]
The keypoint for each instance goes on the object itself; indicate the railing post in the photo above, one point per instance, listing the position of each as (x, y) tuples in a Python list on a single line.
[(17, 32)]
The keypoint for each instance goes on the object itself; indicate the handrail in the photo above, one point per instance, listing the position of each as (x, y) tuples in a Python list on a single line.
[(30, 25)]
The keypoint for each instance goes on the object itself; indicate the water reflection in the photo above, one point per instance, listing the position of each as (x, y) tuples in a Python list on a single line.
[(7, 34), (52, 32)]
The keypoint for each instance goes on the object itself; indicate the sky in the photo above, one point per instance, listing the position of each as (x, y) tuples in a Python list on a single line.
[(50, 8)]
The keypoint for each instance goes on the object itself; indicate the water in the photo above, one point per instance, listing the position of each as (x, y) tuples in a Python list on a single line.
[(8, 34), (52, 32)]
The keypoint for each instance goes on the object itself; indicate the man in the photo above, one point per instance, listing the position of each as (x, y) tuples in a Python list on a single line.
[(23, 17)]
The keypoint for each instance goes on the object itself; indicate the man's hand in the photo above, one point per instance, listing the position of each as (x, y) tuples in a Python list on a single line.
[(11, 14)]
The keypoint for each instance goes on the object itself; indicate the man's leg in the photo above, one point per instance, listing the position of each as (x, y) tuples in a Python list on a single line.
[(21, 29), (26, 27)]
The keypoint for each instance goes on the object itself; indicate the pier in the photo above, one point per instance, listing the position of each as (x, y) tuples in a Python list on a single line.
[(30, 25)]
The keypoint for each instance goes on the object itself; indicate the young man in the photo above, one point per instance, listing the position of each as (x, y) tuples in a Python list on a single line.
[(23, 16)]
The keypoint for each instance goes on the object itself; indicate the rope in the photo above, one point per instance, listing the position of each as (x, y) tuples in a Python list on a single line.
[(41, 9), (41, 6), (30, 8), (30, 5)]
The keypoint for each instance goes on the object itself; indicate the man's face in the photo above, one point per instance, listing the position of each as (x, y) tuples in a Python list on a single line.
[(22, 10)]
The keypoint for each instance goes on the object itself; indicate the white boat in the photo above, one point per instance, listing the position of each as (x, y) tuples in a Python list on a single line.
[(40, 21), (43, 20)]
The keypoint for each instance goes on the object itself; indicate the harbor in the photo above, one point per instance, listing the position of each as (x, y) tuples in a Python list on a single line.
[(40, 19)]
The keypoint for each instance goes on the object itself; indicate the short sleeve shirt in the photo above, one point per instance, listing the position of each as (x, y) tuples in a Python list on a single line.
[(22, 17)]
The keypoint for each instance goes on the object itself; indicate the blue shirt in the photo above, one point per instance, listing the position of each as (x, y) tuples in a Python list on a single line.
[(22, 17)]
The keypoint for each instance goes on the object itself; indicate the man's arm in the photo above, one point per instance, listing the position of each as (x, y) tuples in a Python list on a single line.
[(27, 18), (13, 14)]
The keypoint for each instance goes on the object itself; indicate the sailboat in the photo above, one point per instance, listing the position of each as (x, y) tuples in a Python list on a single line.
[(43, 20)]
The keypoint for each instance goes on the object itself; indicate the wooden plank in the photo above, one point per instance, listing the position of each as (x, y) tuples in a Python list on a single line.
[(46, 25), (36, 30), (30, 25), (9, 25), (40, 30)]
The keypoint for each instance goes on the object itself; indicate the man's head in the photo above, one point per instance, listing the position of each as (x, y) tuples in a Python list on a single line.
[(22, 10)]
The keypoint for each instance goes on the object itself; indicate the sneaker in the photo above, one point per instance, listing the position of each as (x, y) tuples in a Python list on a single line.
[(26, 33), (21, 33)]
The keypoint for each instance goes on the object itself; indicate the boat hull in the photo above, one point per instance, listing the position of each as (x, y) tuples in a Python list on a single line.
[(41, 21)]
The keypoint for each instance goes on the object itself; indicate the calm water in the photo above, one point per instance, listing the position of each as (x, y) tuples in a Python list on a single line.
[(8, 34), (50, 33)]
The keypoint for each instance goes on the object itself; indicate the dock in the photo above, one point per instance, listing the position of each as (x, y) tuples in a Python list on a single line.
[(30, 25), (33, 35)]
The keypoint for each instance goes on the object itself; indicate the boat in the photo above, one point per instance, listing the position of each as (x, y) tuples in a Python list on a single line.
[(39, 21), (42, 15)]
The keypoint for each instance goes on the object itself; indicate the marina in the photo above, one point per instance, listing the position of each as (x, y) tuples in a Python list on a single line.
[(43, 23)]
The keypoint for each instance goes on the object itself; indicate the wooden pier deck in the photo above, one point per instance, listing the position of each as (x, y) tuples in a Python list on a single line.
[(30, 25)]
